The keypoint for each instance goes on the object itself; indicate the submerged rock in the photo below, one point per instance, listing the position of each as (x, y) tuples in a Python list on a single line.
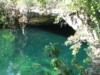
[(10, 69), (60, 67)]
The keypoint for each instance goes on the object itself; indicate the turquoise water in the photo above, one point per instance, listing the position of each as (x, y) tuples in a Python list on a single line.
[(24, 54)]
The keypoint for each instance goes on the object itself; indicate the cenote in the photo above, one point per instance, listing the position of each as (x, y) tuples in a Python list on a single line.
[(24, 54)]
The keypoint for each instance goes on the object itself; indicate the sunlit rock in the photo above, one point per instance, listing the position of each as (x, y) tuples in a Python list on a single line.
[(10, 69), (73, 21)]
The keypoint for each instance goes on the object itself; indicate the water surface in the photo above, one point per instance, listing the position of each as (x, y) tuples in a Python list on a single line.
[(24, 54)]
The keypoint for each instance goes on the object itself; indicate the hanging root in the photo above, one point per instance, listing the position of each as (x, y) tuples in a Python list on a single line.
[(22, 26)]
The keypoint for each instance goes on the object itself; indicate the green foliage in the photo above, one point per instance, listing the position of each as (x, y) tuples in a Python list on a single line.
[(28, 2), (92, 9), (2, 19), (43, 2)]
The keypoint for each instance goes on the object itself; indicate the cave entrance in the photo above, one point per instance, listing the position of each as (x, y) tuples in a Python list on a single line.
[(64, 31)]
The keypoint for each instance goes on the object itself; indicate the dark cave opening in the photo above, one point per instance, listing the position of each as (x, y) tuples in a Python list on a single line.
[(64, 31)]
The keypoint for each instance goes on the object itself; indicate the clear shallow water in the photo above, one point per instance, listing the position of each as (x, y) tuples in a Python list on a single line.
[(24, 54)]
